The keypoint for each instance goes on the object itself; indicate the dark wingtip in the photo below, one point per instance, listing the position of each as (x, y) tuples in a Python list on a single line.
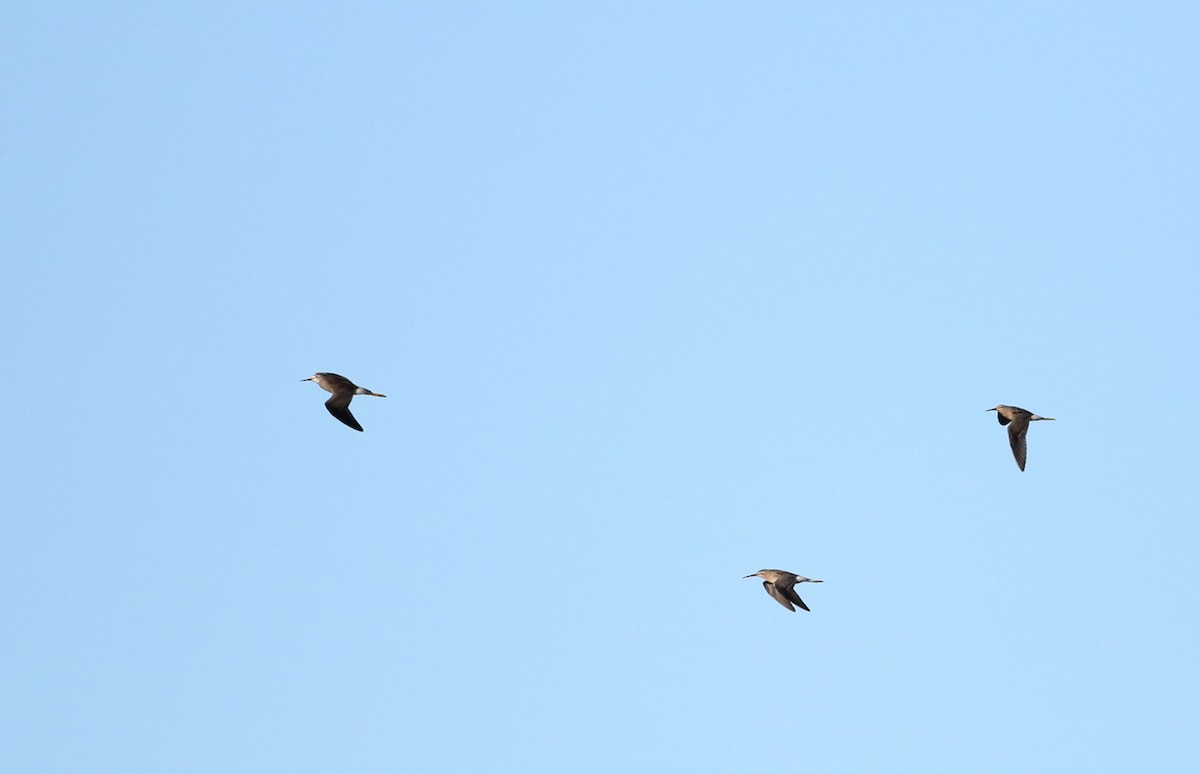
[(344, 416)]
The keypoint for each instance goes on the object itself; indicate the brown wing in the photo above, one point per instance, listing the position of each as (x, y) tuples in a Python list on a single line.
[(790, 593), (339, 406), (779, 596), (1016, 439)]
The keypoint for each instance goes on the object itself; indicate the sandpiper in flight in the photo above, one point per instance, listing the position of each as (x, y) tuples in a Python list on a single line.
[(1019, 419), (780, 585), (343, 391)]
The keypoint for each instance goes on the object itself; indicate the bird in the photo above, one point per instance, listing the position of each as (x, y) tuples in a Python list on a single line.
[(779, 584), (1019, 419), (343, 391)]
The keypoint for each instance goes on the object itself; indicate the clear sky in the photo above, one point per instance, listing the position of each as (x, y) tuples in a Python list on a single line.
[(660, 294)]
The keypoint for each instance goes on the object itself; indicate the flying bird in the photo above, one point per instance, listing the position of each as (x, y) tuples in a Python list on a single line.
[(1018, 420), (343, 391), (780, 584)]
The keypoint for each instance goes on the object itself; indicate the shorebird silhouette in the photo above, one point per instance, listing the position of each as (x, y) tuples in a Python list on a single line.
[(1018, 420), (780, 585), (343, 391)]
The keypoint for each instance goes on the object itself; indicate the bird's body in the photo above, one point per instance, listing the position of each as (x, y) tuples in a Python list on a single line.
[(780, 584), (343, 391), (1018, 420)]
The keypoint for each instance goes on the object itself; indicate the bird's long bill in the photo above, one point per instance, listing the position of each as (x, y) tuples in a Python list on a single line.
[(309, 379), (749, 576)]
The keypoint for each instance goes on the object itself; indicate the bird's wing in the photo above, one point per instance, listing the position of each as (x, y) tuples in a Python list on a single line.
[(1003, 419), (790, 593), (339, 406), (780, 597), (1016, 439)]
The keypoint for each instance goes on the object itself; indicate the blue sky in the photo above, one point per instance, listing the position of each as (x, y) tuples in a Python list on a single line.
[(660, 295)]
